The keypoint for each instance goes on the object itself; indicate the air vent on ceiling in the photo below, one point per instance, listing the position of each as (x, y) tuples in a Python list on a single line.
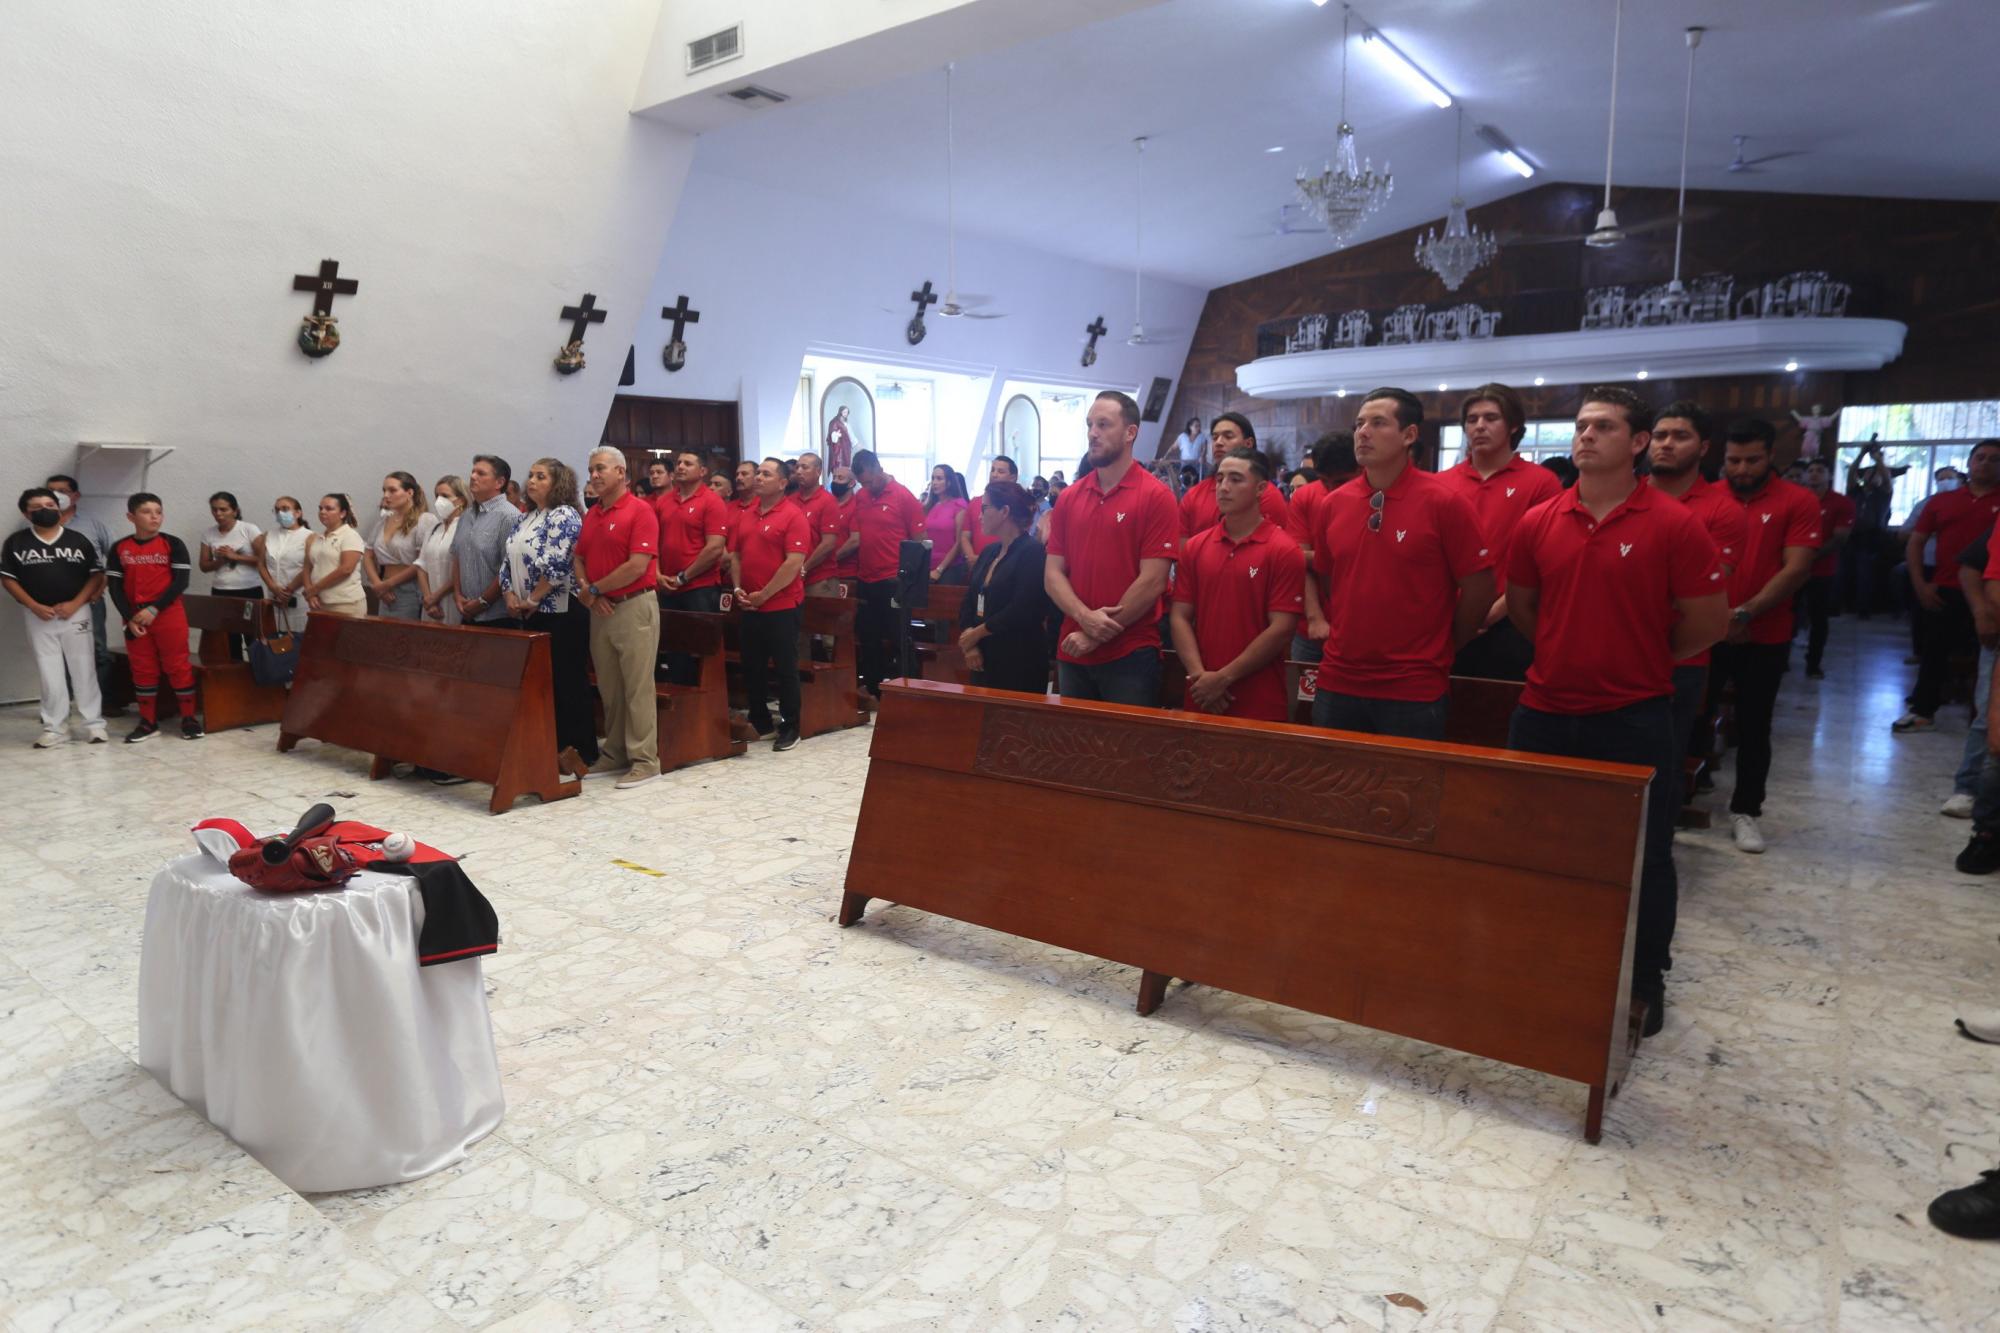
[(751, 95), (715, 48)]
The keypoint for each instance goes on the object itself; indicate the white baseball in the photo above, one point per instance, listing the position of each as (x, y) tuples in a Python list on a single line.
[(398, 847)]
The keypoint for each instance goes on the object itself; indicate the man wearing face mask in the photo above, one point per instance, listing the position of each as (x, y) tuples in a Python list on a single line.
[(74, 520), (54, 572), (843, 566)]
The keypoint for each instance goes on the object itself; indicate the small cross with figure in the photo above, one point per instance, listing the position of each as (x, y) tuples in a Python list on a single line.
[(677, 353), (1096, 329), (924, 298), (325, 285), (581, 317)]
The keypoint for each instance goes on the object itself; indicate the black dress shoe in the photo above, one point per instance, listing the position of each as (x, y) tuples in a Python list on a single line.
[(1651, 991), (1972, 1213), (787, 738), (1980, 857)]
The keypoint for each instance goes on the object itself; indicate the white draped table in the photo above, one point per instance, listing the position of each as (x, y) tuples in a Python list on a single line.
[(301, 1026)]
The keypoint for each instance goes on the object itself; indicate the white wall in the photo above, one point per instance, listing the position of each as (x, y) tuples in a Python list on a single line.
[(776, 274), (168, 168)]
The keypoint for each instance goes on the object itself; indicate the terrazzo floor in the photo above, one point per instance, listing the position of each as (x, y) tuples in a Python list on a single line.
[(726, 1113)]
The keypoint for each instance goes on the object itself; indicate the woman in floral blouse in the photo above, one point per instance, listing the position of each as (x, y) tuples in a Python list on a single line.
[(537, 578)]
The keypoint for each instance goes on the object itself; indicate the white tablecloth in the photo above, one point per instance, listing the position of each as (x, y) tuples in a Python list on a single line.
[(302, 1027)]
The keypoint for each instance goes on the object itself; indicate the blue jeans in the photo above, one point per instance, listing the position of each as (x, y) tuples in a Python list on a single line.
[(1966, 781), (1642, 734), (1131, 679), (1381, 717)]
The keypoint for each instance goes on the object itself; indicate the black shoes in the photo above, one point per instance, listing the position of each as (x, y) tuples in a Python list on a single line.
[(145, 731), (787, 738), (1814, 673), (191, 728), (1980, 857), (1651, 991), (1972, 1213)]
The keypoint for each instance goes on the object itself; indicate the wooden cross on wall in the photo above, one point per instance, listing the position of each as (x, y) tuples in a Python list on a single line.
[(676, 354), (1096, 329), (325, 285), (581, 317), (924, 298)]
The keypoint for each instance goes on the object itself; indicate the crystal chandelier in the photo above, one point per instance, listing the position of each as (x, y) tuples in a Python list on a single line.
[(1347, 189), (1462, 248)]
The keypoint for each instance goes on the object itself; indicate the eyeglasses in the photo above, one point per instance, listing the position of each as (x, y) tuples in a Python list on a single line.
[(1375, 503)]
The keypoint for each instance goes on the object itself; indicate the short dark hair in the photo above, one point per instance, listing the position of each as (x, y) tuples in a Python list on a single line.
[(1409, 412), (1333, 455), (1981, 445), (1638, 412), (1128, 406), (1564, 469), (1010, 496), (229, 499), (864, 461), (497, 463), (1691, 412), (1507, 400), (1238, 420), (65, 479), (137, 498), (1305, 476), (1012, 467), (1254, 457), (38, 493), (1754, 430)]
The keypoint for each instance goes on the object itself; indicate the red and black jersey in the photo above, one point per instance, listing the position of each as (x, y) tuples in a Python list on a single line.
[(150, 573)]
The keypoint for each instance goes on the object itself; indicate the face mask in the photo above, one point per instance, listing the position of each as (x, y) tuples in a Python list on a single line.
[(1948, 484), (286, 518), (444, 507), (45, 518), (840, 489)]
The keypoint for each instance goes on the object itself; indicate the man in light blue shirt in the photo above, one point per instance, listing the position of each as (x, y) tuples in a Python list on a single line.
[(479, 547)]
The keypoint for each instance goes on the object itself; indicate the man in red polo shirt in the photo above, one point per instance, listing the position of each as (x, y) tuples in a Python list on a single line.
[(694, 531), (1945, 628), (844, 491), (1112, 538), (823, 524), (974, 538), (1411, 578), (1502, 486), (617, 554), (1613, 583), (1199, 513), (767, 557), (1238, 592), (1333, 460), (885, 516), (1782, 527), (1836, 525), (1682, 436)]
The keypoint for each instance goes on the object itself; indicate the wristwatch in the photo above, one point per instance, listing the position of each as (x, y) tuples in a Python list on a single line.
[(594, 592), (1741, 615)]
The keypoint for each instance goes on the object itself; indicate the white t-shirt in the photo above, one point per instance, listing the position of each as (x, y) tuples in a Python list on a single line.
[(239, 538)]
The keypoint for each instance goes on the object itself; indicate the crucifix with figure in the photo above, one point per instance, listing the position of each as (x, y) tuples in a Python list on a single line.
[(580, 317), (317, 335), (676, 354), (924, 297), (1096, 329)]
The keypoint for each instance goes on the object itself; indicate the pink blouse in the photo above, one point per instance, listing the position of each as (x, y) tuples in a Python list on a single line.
[(941, 526)]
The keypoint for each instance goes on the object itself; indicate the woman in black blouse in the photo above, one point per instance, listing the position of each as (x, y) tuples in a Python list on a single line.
[(1005, 640)]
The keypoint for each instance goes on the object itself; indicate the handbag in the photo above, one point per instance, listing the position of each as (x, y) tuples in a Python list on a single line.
[(273, 660)]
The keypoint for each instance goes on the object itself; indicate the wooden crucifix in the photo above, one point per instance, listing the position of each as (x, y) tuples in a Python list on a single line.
[(924, 298), (676, 354), (1096, 329), (581, 317), (317, 334)]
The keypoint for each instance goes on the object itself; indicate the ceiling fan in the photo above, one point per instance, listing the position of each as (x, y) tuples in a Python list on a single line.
[(1140, 337), (1739, 164), (956, 304)]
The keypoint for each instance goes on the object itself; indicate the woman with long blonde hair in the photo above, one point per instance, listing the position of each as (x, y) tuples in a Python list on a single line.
[(389, 566)]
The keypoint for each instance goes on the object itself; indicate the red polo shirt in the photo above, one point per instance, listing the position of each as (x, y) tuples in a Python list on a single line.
[(1102, 536), (1716, 508), (1501, 500), (1199, 514), (1605, 620), (685, 527), (884, 521), (822, 513), (975, 525), (614, 533), (1836, 511), (1235, 588), (763, 540), (847, 566), (1956, 517), (1779, 515), (1395, 589), (1302, 512)]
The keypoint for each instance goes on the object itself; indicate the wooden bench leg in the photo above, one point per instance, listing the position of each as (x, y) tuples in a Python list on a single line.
[(1593, 1118), (851, 906), (1152, 990), (286, 741), (379, 767)]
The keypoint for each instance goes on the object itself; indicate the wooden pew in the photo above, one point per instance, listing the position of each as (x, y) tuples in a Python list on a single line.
[(694, 719), (1480, 708), (829, 691), (475, 702), (230, 695), (1435, 891), (934, 631)]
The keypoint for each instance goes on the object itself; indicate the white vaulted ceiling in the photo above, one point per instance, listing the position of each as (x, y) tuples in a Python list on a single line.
[(1882, 99)]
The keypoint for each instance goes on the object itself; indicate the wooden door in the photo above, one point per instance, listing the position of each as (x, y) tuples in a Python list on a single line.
[(639, 426)]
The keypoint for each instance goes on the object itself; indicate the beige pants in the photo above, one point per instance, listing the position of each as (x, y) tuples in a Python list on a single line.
[(623, 648)]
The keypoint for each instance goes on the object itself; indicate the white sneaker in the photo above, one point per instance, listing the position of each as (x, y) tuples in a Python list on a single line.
[(1913, 722), (1957, 806), (1743, 828), (1980, 1025), (49, 740)]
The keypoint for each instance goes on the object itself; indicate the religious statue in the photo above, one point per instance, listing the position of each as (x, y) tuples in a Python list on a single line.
[(839, 441), (570, 359), (1812, 426)]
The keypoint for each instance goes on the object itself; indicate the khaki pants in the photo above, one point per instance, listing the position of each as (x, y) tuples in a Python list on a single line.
[(623, 648)]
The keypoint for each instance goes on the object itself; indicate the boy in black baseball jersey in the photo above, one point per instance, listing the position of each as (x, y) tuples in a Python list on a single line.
[(54, 572), (147, 572)]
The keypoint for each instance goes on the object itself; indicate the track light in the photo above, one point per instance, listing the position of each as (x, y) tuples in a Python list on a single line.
[(1491, 136), (1405, 69)]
